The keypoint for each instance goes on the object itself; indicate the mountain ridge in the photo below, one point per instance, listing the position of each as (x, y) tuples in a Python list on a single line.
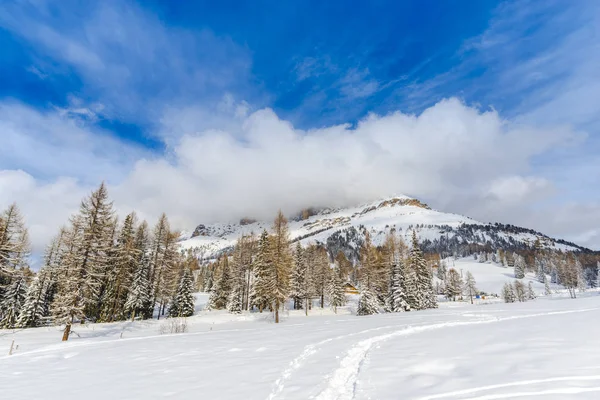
[(343, 229)]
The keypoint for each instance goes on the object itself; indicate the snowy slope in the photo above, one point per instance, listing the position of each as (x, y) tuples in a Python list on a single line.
[(491, 277), (541, 349), (401, 213)]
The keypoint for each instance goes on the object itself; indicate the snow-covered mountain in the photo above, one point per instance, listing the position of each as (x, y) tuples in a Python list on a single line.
[(343, 230)]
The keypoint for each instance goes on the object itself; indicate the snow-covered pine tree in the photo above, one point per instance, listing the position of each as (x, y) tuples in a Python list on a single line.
[(597, 274), (508, 293), (397, 298), (547, 291), (410, 285), (234, 302), (208, 279), (589, 274), (298, 278), (367, 303), (442, 271), (282, 263), (540, 270), (262, 288), (530, 292), (336, 293), (183, 303), (470, 288), (425, 293), (221, 289), (138, 296), (453, 284), (140, 292), (35, 308), (13, 300), (519, 266)]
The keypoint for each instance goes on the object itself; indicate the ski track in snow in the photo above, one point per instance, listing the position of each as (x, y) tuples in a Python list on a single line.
[(505, 385), (342, 384), (308, 351), (572, 390)]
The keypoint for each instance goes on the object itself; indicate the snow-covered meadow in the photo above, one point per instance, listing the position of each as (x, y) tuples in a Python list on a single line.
[(545, 348)]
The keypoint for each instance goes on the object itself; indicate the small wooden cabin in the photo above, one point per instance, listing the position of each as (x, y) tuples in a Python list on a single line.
[(350, 288)]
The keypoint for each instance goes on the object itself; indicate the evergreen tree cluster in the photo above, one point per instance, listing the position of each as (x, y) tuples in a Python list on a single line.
[(95, 269)]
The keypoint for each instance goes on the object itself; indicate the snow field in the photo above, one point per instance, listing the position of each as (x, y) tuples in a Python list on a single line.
[(542, 348)]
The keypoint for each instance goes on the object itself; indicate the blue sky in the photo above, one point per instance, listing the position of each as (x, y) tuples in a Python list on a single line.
[(192, 92)]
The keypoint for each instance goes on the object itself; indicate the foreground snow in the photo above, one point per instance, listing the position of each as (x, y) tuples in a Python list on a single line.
[(547, 348)]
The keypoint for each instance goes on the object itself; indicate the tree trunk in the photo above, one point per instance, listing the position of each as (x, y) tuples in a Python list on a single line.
[(277, 312), (132, 316), (66, 332), (306, 307), (322, 300)]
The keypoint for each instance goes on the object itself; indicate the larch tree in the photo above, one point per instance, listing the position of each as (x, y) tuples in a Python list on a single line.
[(520, 291), (164, 258), (14, 242), (69, 301), (567, 273), (368, 265), (236, 292), (120, 272), (321, 272), (282, 263), (470, 288), (453, 284), (96, 220)]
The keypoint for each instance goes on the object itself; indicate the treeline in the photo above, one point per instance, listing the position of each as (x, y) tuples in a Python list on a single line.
[(264, 273), (95, 269), (100, 269)]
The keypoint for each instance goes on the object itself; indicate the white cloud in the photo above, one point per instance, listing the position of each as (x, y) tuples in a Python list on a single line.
[(447, 156), (519, 189), (58, 143), (45, 206)]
